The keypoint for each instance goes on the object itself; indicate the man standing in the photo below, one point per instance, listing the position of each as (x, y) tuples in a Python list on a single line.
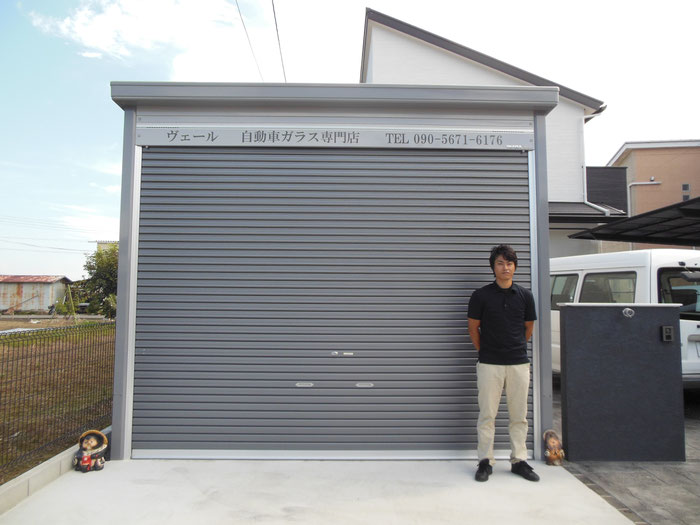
[(501, 319)]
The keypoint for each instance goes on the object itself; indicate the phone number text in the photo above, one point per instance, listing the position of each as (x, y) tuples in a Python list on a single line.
[(445, 139)]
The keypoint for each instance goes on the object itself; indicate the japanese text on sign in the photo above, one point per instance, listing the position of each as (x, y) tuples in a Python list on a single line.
[(446, 139), (175, 135), (262, 136), (336, 137)]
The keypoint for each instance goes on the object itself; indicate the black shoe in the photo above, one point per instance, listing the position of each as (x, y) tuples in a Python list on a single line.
[(484, 471), (521, 468)]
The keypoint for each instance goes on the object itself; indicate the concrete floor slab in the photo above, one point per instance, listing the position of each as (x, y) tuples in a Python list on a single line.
[(312, 492)]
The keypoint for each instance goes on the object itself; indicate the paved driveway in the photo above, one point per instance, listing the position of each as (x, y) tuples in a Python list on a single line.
[(312, 492), (655, 493)]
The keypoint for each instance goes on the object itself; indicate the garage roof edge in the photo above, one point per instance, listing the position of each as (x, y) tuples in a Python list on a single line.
[(132, 94)]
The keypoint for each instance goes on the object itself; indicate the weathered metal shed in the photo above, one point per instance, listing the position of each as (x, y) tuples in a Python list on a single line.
[(31, 292), (296, 263)]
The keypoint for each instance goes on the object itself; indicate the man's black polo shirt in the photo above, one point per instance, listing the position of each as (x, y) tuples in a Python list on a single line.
[(502, 313)]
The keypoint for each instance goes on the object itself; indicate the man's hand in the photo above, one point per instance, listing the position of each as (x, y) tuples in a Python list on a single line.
[(474, 334), (529, 328)]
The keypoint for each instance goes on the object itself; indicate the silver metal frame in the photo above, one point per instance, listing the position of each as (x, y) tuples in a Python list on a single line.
[(534, 280), (542, 347), (126, 314)]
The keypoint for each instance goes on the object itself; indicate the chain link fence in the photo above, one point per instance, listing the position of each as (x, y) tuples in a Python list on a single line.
[(54, 384)]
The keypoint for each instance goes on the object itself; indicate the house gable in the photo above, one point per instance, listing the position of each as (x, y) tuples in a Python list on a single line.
[(429, 64), (377, 25)]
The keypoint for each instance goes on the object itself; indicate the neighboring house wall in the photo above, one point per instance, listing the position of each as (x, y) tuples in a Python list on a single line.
[(428, 64), (565, 154), (104, 245), (30, 296), (561, 246), (435, 66), (673, 164)]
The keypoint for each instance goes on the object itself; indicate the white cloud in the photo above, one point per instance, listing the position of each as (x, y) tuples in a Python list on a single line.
[(110, 168), (109, 189), (78, 208), (18, 165), (97, 226), (205, 40), (106, 167)]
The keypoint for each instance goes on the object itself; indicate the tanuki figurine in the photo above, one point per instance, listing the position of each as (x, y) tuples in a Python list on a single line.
[(553, 453), (91, 452)]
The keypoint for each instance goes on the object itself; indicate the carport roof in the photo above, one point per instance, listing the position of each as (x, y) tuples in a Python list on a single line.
[(678, 224)]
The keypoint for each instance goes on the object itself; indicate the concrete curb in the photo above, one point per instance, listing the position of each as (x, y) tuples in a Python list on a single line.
[(24, 485)]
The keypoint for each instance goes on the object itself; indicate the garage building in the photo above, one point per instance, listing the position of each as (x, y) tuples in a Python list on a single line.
[(296, 263)]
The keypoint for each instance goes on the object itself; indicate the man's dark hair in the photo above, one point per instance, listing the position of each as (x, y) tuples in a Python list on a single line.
[(504, 251)]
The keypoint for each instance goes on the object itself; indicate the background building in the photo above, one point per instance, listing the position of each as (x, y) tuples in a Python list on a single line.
[(31, 292), (103, 245), (658, 174)]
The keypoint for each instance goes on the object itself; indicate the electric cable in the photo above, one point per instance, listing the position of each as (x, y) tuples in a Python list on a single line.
[(43, 227), (44, 247), (249, 42), (279, 44)]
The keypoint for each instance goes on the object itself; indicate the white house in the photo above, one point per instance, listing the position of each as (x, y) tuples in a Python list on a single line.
[(395, 52)]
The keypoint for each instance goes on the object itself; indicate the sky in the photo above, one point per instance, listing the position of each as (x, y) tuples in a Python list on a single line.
[(61, 134)]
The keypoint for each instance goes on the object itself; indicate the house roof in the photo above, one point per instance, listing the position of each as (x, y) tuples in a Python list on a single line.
[(33, 278), (678, 224), (627, 147), (566, 212), (596, 106)]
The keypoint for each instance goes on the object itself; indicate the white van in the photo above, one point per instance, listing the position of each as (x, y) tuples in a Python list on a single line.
[(643, 276)]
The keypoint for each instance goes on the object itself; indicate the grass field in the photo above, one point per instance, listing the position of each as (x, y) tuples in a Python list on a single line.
[(54, 384), (58, 322)]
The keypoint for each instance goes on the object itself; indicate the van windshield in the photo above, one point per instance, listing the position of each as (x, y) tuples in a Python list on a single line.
[(681, 285)]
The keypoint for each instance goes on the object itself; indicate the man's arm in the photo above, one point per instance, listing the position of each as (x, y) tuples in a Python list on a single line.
[(529, 328), (474, 333)]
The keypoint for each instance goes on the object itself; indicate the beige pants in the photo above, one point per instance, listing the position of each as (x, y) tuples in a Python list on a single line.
[(490, 381)]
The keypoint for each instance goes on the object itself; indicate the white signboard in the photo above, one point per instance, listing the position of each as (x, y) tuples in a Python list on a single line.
[(337, 138)]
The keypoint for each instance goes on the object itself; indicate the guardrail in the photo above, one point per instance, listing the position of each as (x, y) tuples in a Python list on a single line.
[(54, 384)]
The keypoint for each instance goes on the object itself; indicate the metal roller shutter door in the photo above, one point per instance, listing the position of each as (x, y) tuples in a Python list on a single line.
[(315, 299)]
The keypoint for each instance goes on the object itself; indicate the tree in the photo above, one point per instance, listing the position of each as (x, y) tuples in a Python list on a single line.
[(101, 283)]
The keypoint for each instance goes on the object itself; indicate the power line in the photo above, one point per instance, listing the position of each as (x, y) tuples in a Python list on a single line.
[(30, 238), (279, 44), (41, 251), (45, 247), (43, 224), (249, 42)]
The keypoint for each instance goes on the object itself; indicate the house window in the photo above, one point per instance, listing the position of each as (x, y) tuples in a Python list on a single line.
[(685, 187)]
